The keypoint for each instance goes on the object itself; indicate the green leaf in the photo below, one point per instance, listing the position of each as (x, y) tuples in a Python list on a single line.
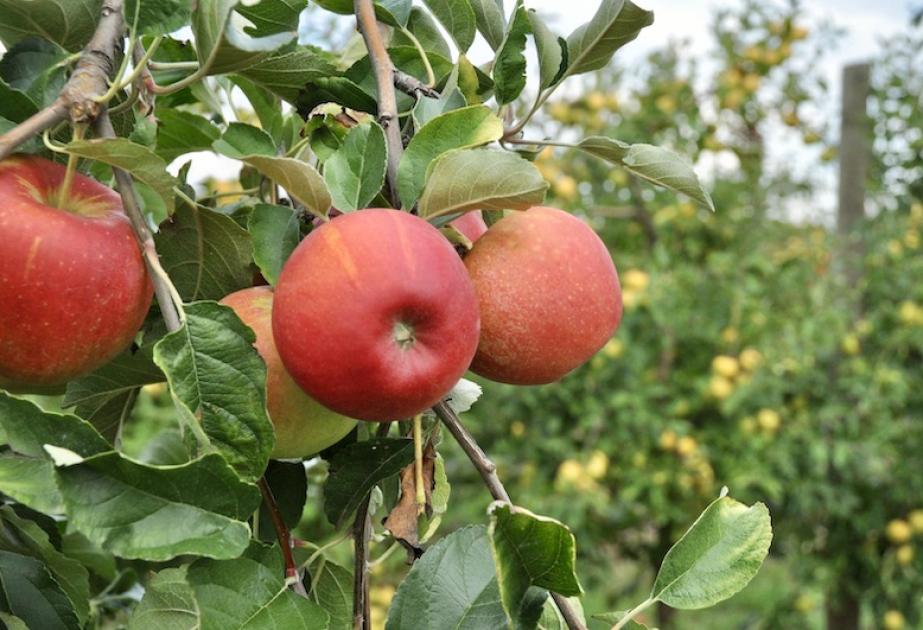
[(256, 148), (550, 49), (422, 26), (206, 253), (33, 66), (266, 105), (15, 105), (391, 12), (68, 23), (226, 40), (274, 231), (509, 71), (453, 585), (490, 20), (332, 591), (158, 17), (716, 557), (458, 18), (77, 546), (28, 591), (286, 73), (11, 622), (339, 90), (405, 58), (481, 179), (182, 132), (357, 468), (24, 537), (289, 485), (133, 509), (655, 164), (247, 593), (220, 380), (591, 45), (428, 108), (105, 397), (355, 172), (614, 617), (530, 551), (140, 161), (458, 129)]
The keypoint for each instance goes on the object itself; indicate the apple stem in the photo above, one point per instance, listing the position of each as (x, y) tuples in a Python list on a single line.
[(72, 159), (418, 462), (488, 472)]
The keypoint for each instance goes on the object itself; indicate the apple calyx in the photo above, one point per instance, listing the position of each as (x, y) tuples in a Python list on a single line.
[(404, 335)]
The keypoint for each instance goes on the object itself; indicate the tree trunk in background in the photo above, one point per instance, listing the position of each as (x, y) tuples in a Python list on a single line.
[(842, 609)]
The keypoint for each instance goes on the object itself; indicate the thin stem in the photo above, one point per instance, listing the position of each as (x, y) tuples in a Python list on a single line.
[(171, 304), (384, 78), (631, 614), (540, 99), (320, 550), (418, 462), (387, 554), (284, 536), (430, 75), (362, 533), (173, 65), (72, 160), (412, 86), (135, 72), (546, 143), (488, 472), (34, 124)]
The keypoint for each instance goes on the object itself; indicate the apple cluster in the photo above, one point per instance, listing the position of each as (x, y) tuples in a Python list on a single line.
[(374, 317)]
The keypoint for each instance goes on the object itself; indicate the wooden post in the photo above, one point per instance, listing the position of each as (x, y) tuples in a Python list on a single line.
[(854, 147), (843, 609)]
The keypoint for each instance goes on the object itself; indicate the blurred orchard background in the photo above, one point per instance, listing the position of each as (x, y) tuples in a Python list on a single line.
[(767, 347)]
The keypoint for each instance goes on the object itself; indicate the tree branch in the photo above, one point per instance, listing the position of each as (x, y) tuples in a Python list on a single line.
[(488, 471), (163, 286), (79, 98), (412, 86), (384, 78), (282, 533)]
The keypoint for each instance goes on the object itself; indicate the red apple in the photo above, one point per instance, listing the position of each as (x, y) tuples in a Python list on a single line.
[(73, 286), (303, 426), (549, 296), (375, 316), (471, 224)]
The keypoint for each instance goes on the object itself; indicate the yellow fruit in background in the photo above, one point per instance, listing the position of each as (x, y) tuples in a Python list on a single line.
[(517, 429), (687, 210), (613, 348), (910, 313), (916, 521), (597, 465), (804, 603), (916, 211), (638, 460), (620, 177), (863, 327), (668, 440), (720, 387), (569, 472), (912, 239), (565, 187), (596, 100), (726, 366), (769, 420), (751, 82), (829, 154), (612, 102), (635, 280), (730, 335), (154, 389), (753, 53), (665, 103), (686, 446), (734, 98), (895, 248), (712, 143), (750, 359), (898, 531), (850, 345), (893, 620), (748, 425), (790, 118), (904, 555), (799, 33), (811, 137)]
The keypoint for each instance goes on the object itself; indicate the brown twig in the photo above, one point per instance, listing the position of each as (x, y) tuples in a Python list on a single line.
[(384, 78), (79, 98), (283, 534), (413, 86), (362, 534), (163, 287), (488, 471)]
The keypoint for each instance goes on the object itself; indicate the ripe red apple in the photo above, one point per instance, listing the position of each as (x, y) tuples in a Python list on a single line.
[(375, 316), (549, 296), (471, 224), (73, 286), (303, 426)]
